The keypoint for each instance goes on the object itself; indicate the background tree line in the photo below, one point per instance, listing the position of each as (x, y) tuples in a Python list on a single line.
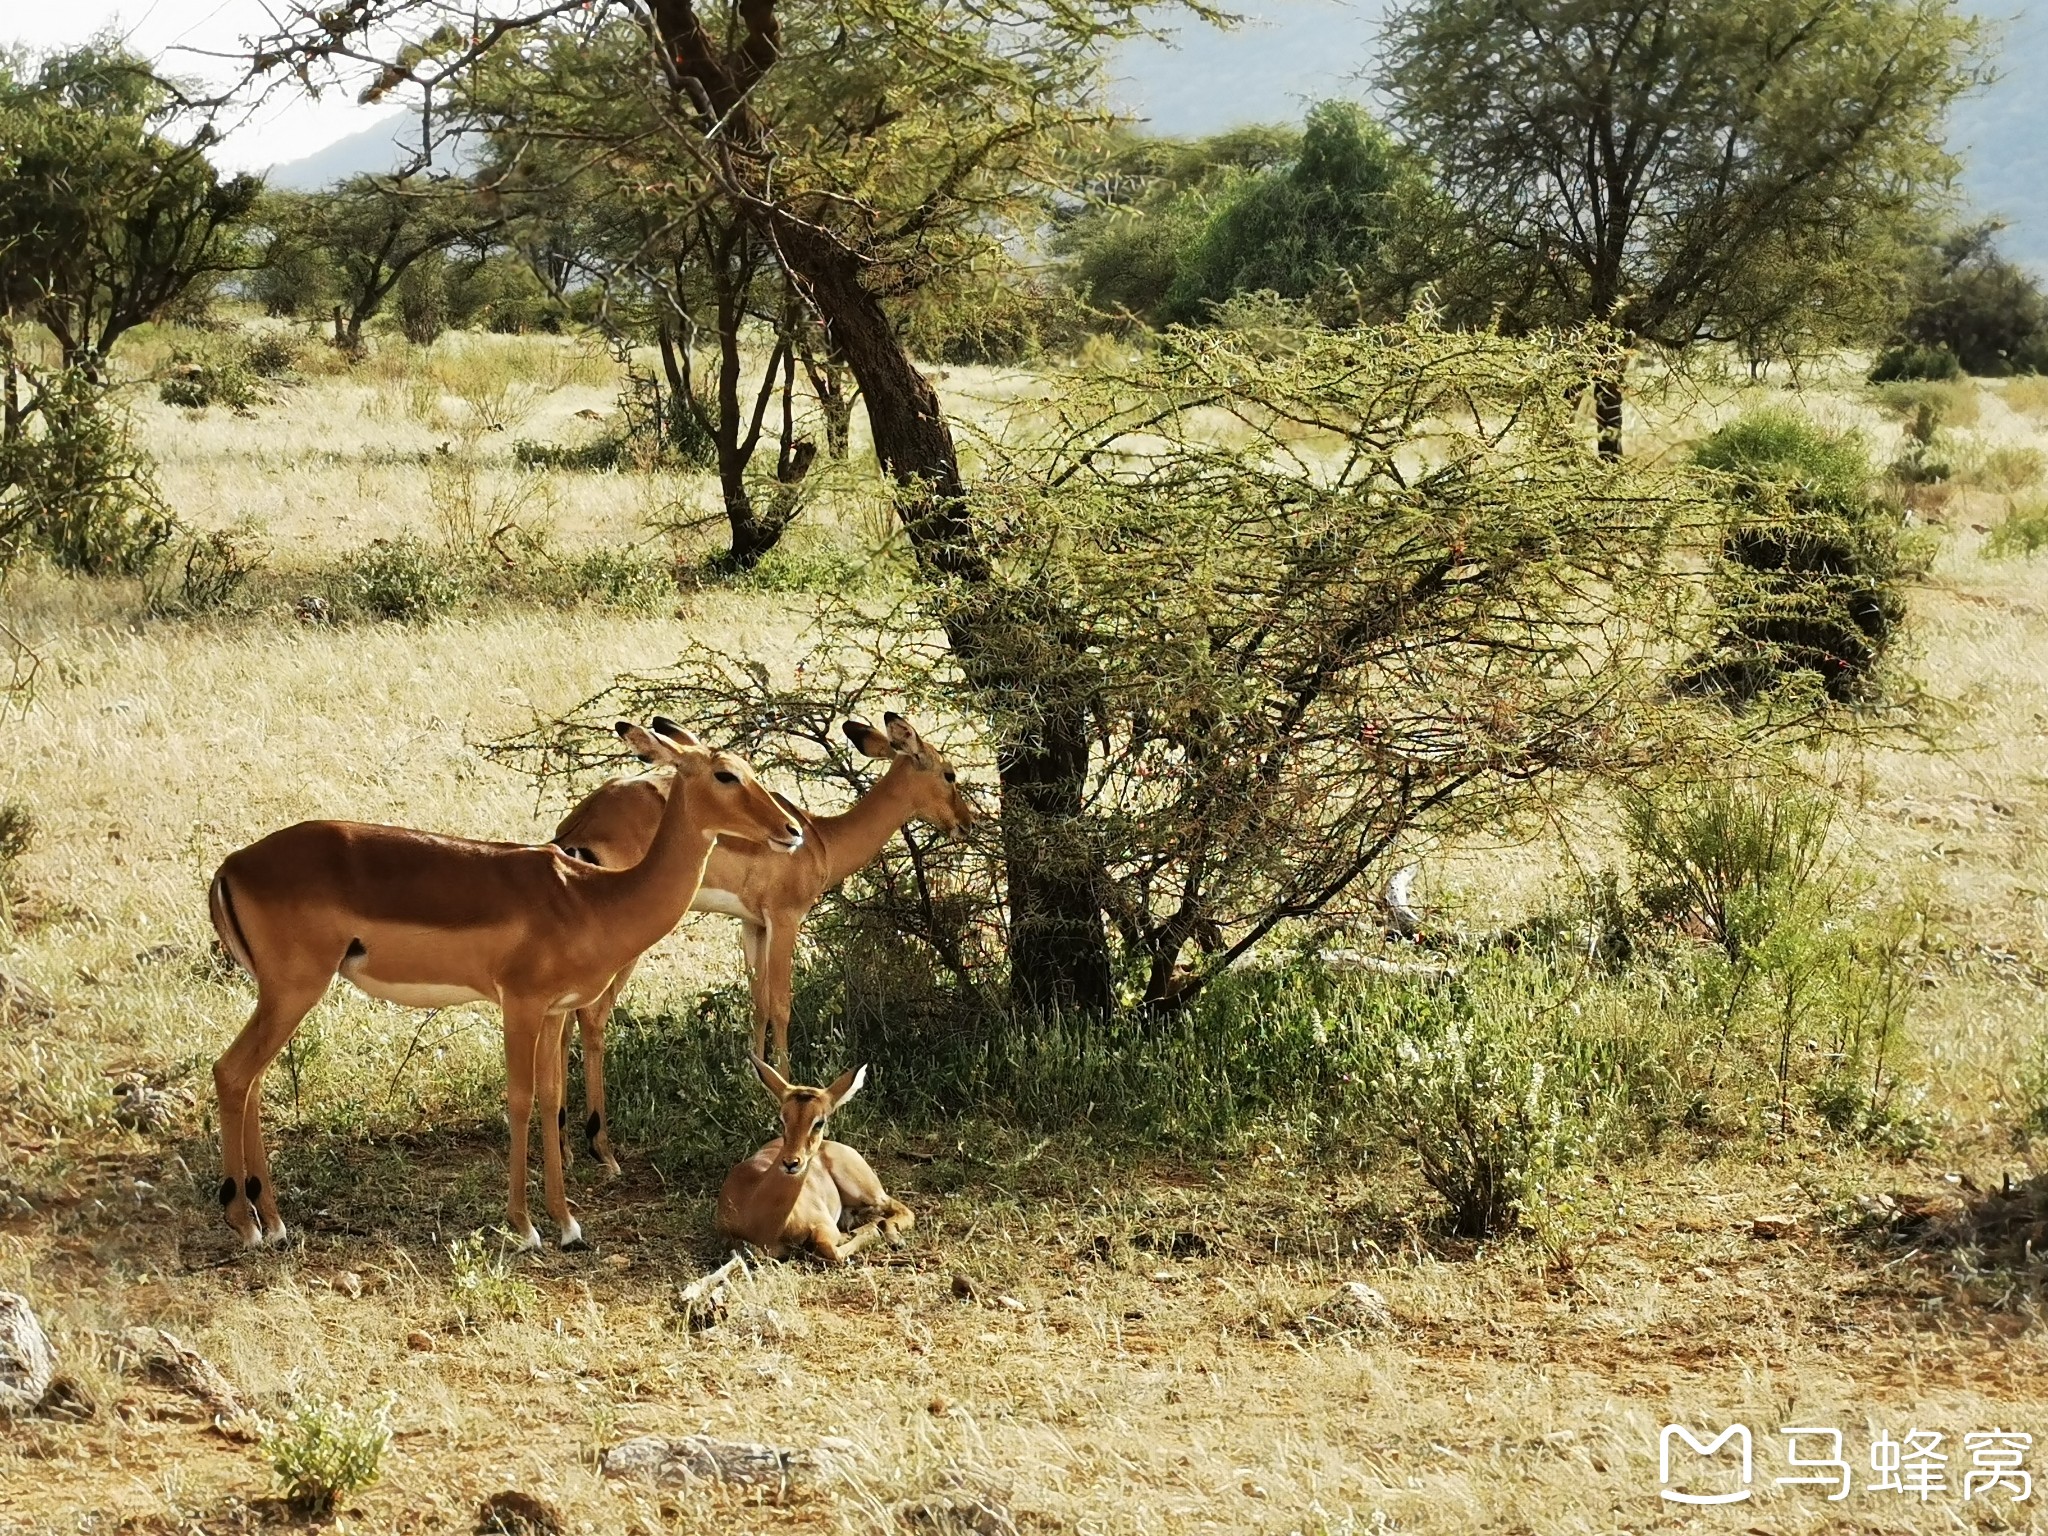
[(773, 210)]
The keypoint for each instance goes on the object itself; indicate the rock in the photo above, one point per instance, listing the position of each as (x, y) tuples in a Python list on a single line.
[(699, 1458), (704, 1302), (1011, 1304), (420, 1343), (512, 1513), (1354, 1307), (963, 1288), (27, 1362), (1771, 1228), (170, 1360), (142, 1105), (349, 1283)]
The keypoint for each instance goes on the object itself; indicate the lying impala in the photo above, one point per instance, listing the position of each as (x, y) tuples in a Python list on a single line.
[(802, 1191), (769, 894), (431, 921)]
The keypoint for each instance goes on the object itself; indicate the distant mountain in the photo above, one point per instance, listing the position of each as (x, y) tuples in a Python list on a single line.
[(387, 145)]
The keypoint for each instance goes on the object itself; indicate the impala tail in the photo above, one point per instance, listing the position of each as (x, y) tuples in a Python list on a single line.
[(222, 906)]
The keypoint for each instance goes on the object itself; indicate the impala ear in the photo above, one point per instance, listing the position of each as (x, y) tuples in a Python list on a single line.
[(902, 734), (776, 1084), (661, 725), (868, 739), (846, 1087), (645, 745)]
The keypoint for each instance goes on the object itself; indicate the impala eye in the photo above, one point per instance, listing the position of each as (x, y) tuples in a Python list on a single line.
[(951, 776), (726, 778)]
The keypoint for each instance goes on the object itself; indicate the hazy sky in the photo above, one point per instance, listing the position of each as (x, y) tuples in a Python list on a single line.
[(182, 34)]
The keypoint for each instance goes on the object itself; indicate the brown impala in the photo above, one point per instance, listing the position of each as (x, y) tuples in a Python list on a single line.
[(430, 921), (771, 895), (803, 1191)]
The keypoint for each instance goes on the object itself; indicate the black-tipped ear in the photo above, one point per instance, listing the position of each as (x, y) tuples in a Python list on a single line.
[(661, 725), (867, 739), (623, 727), (890, 717)]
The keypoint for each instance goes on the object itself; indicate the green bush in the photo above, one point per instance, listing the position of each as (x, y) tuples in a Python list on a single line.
[(422, 300), (194, 385), (1910, 362), (17, 836), (274, 354), (212, 568), (75, 486), (323, 1452), (2024, 532), (401, 578), (1812, 563), (618, 578), (599, 455), (1730, 859)]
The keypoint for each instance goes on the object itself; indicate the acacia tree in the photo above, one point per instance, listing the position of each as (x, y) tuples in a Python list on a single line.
[(598, 196), (869, 147), (1326, 592), (105, 220), (371, 230), (1637, 162)]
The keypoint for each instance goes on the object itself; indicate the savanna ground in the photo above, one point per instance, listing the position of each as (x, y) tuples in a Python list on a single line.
[(1100, 1337)]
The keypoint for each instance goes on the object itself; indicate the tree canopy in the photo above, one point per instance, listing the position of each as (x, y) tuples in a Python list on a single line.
[(1666, 166), (105, 220)]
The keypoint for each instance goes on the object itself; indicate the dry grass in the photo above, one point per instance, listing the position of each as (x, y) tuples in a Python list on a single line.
[(1123, 1361)]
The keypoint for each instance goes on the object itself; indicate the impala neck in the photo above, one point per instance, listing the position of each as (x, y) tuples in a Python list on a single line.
[(650, 898), (857, 834)]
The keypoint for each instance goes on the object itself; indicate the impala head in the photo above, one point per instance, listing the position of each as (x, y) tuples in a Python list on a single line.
[(933, 785), (720, 787), (804, 1113)]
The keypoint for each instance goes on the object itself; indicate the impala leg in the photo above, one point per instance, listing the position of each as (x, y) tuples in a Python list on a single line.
[(778, 986), (247, 1196), (827, 1245), (548, 1054), (754, 944), (597, 1126), (522, 1040)]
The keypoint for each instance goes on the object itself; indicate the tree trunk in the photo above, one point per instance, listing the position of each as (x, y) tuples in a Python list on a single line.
[(1607, 414), (1059, 948)]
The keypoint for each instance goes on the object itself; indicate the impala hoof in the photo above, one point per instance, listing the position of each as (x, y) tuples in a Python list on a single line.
[(530, 1243), (279, 1238), (572, 1238)]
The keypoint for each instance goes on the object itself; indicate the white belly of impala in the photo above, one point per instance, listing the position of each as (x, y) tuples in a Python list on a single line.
[(412, 994), (710, 900)]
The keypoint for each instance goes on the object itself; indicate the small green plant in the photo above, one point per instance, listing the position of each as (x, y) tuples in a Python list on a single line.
[(1487, 1087), (402, 579), (2024, 532), (485, 1286), (2006, 469), (631, 579), (75, 485), (17, 835), (1729, 858), (212, 570), (2030, 1088), (324, 1451), (219, 376)]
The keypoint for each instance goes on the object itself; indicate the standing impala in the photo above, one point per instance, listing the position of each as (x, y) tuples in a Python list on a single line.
[(430, 921), (769, 894)]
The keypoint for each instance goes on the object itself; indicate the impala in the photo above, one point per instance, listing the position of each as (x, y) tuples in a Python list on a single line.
[(430, 921), (771, 895), (803, 1191)]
